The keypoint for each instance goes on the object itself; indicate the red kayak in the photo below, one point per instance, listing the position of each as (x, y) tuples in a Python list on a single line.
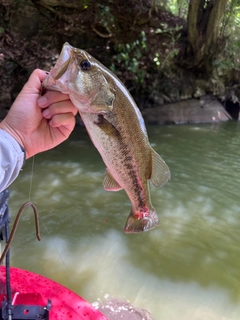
[(37, 297), (27, 295)]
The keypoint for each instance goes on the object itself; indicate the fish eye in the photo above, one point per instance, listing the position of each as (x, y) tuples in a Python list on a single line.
[(85, 65)]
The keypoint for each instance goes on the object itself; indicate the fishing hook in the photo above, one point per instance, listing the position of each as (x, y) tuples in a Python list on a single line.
[(26, 204)]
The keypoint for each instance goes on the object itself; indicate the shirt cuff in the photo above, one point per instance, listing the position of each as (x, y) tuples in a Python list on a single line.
[(12, 158)]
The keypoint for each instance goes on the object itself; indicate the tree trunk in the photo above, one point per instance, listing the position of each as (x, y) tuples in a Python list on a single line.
[(204, 23)]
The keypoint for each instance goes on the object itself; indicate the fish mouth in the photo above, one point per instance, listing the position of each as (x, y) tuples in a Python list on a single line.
[(65, 72), (56, 80), (63, 61), (62, 69)]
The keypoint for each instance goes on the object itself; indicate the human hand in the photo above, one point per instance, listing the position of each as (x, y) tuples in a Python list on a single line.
[(39, 123)]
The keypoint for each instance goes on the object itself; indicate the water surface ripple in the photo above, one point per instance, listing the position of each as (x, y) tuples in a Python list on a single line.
[(189, 266)]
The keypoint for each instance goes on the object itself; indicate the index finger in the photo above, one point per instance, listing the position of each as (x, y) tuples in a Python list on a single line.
[(35, 81), (51, 97)]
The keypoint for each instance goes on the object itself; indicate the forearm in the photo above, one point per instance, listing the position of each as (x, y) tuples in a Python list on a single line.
[(11, 159)]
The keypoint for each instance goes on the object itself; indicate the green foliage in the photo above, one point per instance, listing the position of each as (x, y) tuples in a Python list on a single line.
[(173, 34), (129, 55), (85, 4), (104, 15), (228, 56), (164, 28), (178, 7), (230, 31)]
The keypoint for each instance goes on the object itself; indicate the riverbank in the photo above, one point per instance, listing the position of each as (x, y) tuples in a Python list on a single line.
[(144, 47)]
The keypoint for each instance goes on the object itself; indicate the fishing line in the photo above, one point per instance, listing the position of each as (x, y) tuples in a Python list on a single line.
[(55, 247), (40, 219), (31, 179)]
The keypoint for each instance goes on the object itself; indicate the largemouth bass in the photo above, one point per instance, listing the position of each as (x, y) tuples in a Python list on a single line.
[(116, 128)]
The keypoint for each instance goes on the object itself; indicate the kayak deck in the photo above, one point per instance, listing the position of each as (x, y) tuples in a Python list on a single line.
[(28, 289)]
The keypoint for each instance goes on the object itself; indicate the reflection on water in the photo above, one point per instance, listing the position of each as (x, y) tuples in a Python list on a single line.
[(189, 266)]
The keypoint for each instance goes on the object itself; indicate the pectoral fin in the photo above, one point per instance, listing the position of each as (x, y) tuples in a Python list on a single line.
[(160, 171), (109, 183), (106, 126)]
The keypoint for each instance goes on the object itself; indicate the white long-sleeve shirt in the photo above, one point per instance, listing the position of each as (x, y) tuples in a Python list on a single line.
[(12, 157)]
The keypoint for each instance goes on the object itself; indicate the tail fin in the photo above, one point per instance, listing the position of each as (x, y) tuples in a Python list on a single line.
[(139, 221)]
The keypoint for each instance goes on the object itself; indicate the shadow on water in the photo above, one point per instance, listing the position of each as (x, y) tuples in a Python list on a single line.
[(193, 258)]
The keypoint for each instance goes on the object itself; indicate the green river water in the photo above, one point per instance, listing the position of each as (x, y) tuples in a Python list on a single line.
[(187, 268)]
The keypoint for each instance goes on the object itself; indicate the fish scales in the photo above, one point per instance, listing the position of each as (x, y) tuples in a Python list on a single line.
[(122, 162), (116, 128)]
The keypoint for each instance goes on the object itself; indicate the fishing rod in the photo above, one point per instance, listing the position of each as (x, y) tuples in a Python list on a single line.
[(10, 309)]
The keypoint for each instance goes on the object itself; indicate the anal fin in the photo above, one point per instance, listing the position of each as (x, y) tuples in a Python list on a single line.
[(160, 171), (110, 184)]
